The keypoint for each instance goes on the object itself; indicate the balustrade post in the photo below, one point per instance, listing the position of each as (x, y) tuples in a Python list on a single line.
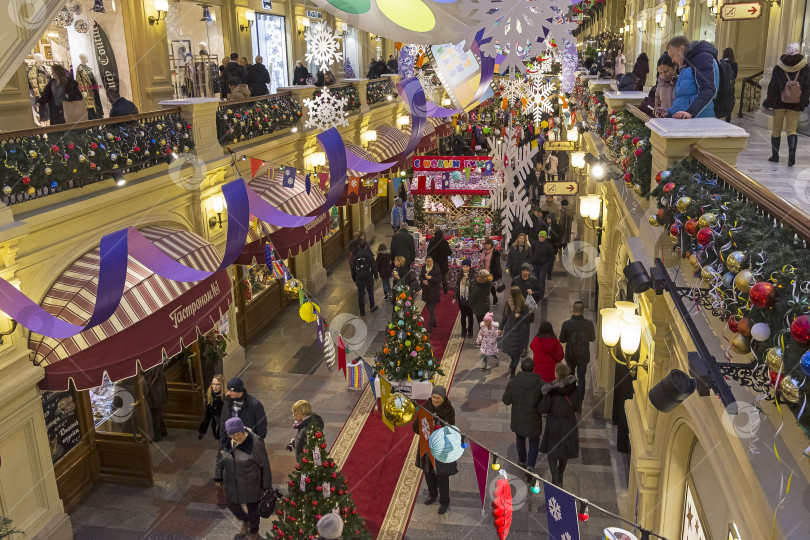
[(299, 93), (362, 92), (617, 100), (201, 113)]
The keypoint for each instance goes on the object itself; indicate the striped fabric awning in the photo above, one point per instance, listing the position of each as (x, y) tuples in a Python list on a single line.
[(390, 143), (295, 201), (360, 152), (152, 307)]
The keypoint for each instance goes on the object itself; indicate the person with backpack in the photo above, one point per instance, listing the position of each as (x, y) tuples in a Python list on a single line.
[(724, 104), (364, 274), (788, 95), (386, 268), (698, 81), (577, 333)]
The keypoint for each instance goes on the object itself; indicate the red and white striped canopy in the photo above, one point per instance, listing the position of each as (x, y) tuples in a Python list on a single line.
[(85, 357), (359, 152), (390, 143)]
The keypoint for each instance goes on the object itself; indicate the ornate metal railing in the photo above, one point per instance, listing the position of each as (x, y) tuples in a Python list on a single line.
[(348, 91), (380, 89), (750, 94), (245, 119), (43, 161)]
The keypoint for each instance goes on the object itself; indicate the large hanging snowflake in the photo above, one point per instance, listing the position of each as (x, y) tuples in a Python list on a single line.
[(513, 89), (554, 509), (325, 111), (511, 164), (323, 46), (539, 101), (515, 23)]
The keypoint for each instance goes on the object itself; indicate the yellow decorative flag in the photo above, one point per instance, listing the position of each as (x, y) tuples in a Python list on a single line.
[(382, 187), (385, 393)]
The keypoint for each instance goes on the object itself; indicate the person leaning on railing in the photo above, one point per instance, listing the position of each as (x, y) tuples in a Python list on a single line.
[(788, 95), (697, 82)]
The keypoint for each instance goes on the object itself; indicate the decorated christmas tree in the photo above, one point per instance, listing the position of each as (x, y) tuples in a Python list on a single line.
[(348, 70), (315, 488), (407, 353)]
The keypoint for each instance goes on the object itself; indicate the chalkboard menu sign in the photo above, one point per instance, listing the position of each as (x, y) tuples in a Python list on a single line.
[(61, 421)]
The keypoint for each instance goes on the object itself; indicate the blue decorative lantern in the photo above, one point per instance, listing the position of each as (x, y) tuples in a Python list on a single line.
[(445, 445)]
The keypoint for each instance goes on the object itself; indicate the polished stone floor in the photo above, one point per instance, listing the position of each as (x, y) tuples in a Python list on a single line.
[(284, 366)]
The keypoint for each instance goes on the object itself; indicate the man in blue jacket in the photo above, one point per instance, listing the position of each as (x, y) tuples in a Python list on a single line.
[(698, 79)]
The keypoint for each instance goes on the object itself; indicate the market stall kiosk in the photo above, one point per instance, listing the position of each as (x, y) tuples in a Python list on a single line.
[(390, 144), (96, 385)]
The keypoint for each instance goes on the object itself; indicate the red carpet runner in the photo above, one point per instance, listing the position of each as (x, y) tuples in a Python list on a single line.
[(377, 457)]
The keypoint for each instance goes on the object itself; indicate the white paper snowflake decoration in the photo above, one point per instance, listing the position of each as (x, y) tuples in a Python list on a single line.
[(513, 89), (323, 46), (510, 162), (429, 84), (326, 110), (539, 101)]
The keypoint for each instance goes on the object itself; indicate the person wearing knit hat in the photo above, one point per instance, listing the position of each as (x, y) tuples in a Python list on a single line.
[(238, 403), (543, 256), (788, 95), (461, 295), (520, 252), (437, 477), (330, 527), (243, 472)]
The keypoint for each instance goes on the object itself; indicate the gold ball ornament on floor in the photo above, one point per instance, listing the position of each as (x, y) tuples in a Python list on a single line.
[(773, 358), (744, 280), (399, 410), (736, 261), (741, 344), (292, 287), (790, 390), (683, 204)]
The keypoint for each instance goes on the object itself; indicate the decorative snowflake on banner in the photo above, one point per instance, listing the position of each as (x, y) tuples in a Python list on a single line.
[(323, 46), (326, 110), (406, 61), (569, 66), (566, 536), (539, 101), (554, 509), (428, 81), (511, 162), (519, 22), (513, 89)]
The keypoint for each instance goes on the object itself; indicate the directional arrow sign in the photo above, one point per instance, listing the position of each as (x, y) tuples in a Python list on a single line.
[(736, 12), (560, 188)]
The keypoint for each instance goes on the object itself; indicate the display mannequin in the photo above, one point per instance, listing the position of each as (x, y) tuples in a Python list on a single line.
[(203, 48), (38, 78), (89, 87)]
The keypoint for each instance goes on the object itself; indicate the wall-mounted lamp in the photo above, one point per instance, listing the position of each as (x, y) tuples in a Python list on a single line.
[(207, 16), (368, 137), (318, 159), (712, 4), (590, 208), (679, 12), (250, 17), (660, 20), (446, 102), (218, 205), (621, 326), (572, 135), (162, 7), (16, 284), (304, 26), (578, 160), (403, 120)]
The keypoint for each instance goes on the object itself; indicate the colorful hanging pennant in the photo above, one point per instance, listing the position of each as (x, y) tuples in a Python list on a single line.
[(341, 347), (395, 183), (319, 336), (426, 427), (370, 376), (308, 183), (354, 185), (445, 180), (288, 180), (561, 509), (255, 165), (480, 457), (382, 187)]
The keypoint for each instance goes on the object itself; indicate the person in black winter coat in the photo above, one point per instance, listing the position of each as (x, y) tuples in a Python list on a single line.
[(301, 74), (561, 437), (515, 326), (243, 471), (527, 283), (238, 403), (438, 479), (157, 394), (258, 78), (628, 83), (523, 393), (431, 280), (479, 295), (233, 70), (640, 69), (385, 266), (543, 255), (213, 407), (578, 333), (461, 294), (403, 276), (364, 274), (439, 248), (392, 64), (519, 253), (303, 417), (62, 87), (791, 66), (491, 261), (402, 243)]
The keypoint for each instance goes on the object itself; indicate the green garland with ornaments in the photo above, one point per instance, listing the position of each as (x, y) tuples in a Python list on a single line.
[(628, 146), (243, 121), (38, 165), (377, 91), (755, 273), (348, 92)]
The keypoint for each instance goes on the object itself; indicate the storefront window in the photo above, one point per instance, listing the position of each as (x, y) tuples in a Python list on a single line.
[(351, 50), (270, 42), (334, 221), (88, 44), (195, 49), (255, 280)]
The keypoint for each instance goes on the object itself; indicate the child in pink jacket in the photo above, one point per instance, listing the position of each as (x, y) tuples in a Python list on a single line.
[(488, 341)]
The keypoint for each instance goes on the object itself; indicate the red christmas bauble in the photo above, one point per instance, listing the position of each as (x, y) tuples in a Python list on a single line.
[(291, 483), (733, 323), (776, 379), (308, 480), (744, 327), (334, 475), (669, 186), (800, 329), (26, 180), (675, 229), (658, 177), (628, 177), (705, 236), (691, 227), (762, 295), (323, 445), (305, 460), (318, 488), (318, 434)]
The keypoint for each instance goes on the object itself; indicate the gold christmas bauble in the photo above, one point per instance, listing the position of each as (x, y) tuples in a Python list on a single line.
[(673, 238), (707, 275), (744, 280), (291, 287), (736, 261), (790, 390), (654, 221), (773, 358), (683, 204), (693, 260), (708, 219), (399, 410), (637, 189), (741, 344)]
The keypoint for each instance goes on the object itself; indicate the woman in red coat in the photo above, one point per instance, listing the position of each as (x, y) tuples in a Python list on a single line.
[(547, 350)]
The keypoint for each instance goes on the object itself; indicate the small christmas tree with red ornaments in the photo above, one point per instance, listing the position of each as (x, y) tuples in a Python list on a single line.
[(316, 487)]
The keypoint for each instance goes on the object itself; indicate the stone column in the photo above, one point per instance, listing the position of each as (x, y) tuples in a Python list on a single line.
[(15, 103), (36, 509), (309, 269)]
